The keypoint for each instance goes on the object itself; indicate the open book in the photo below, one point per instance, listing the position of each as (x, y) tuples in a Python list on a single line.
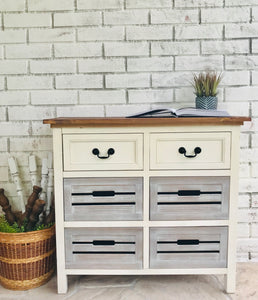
[(181, 112)]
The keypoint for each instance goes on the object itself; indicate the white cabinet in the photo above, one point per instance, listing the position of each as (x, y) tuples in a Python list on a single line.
[(141, 196)]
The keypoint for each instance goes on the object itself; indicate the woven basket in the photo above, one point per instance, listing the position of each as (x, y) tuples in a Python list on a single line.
[(27, 260)]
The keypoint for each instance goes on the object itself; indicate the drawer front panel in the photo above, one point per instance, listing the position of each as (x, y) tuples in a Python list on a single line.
[(99, 199), (188, 247), (103, 248), (103, 152), (189, 198), (209, 150)]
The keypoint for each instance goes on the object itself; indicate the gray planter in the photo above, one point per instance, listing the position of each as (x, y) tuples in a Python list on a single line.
[(206, 102)]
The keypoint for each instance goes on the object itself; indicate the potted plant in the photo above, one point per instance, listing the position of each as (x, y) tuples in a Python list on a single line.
[(27, 238), (205, 86)]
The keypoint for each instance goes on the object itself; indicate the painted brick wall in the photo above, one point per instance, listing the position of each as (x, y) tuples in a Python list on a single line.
[(115, 57)]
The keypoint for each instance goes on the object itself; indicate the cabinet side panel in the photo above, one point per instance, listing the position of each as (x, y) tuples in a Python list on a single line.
[(230, 281), (58, 170)]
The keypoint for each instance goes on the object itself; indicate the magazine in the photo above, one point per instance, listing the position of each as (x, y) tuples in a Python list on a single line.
[(180, 113)]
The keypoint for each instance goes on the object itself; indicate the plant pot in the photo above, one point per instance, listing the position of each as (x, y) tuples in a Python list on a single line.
[(27, 260), (206, 102)]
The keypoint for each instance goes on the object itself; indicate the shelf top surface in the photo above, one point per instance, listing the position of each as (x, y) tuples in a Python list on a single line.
[(130, 122)]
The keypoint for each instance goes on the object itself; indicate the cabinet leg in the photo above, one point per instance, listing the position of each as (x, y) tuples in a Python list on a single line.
[(230, 283), (62, 284)]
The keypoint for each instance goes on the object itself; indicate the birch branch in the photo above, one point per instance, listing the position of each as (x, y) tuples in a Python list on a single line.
[(17, 180), (33, 170), (44, 179), (50, 185)]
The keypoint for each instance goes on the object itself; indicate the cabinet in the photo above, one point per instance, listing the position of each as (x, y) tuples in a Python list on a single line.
[(146, 196)]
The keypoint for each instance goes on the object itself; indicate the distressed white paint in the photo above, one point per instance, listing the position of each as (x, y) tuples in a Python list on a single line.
[(231, 133)]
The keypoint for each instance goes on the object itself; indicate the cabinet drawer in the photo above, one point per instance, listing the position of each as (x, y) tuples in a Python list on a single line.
[(188, 247), (203, 150), (189, 198), (103, 248), (103, 152), (97, 199)]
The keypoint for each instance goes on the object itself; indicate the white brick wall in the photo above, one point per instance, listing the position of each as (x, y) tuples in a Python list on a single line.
[(193, 32), (77, 50), (52, 66), (29, 82), (27, 20), (77, 19), (225, 15), (100, 65), (118, 57), (96, 97), (126, 49), (51, 35), (178, 16), (79, 81), (198, 3), (126, 17), (13, 67), (27, 51), (101, 34), (147, 3), (12, 5), (12, 36), (49, 5), (53, 97), (127, 80), (99, 4), (149, 33), (225, 47)]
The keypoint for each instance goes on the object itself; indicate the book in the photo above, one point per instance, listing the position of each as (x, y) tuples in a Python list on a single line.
[(180, 113)]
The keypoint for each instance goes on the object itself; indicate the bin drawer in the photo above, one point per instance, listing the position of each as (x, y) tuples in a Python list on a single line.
[(189, 198), (97, 199), (188, 247), (103, 248)]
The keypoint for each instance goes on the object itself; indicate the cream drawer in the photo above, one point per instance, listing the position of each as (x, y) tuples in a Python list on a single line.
[(188, 247), (209, 150), (103, 152), (189, 198), (99, 199), (103, 248)]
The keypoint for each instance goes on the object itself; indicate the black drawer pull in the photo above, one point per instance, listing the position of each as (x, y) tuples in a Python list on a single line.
[(183, 242), (103, 193), (197, 151), (189, 193), (110, 152), (187, 251), (103, 252), (101, 203), (103, 243), (190, 203), (187, 242)]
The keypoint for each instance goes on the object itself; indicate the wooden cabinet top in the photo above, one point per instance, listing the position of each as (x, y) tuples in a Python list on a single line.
[(130, 122)]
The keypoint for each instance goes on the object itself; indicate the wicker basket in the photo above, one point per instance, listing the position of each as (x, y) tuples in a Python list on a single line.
[(27, 260)]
